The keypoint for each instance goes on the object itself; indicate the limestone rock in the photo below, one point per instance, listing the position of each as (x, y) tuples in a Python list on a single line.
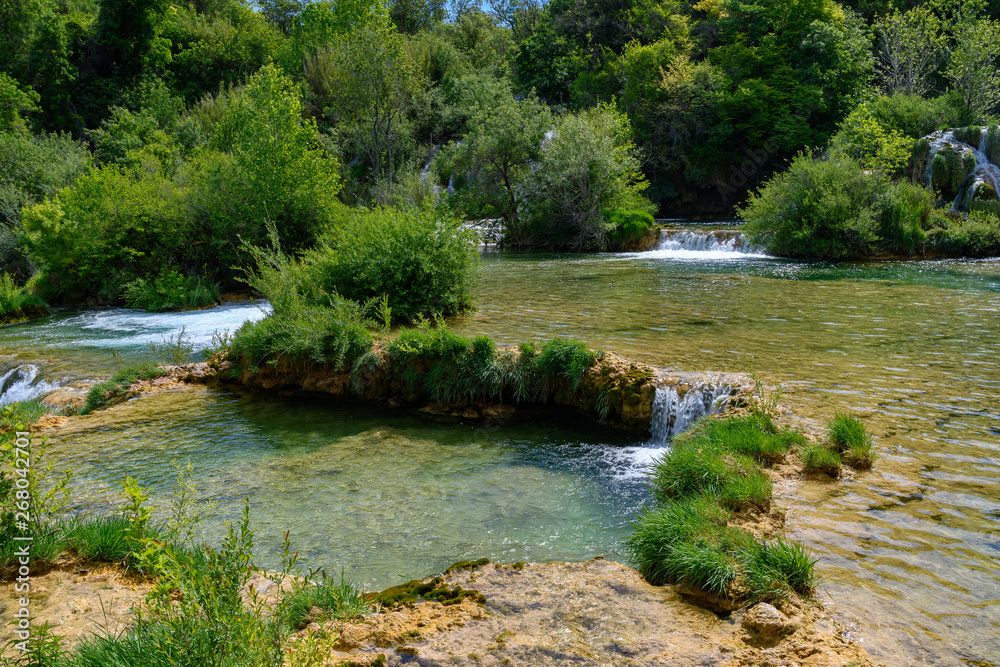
[(766, 620)]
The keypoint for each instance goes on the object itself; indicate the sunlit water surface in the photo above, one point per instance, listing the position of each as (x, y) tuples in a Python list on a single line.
[(911, 549)]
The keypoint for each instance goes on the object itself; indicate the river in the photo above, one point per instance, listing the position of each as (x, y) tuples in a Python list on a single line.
[(911, 549)]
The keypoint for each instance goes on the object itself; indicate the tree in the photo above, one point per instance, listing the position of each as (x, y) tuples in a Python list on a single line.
[(876, 147), (14, 103), (276, 169), (282, 13), (972, 66), (909, 48), (588, 168), (364, 81), (495, 157), (129, 36)]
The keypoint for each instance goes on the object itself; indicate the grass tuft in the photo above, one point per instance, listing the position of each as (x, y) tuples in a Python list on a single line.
[(24, 413), (823, 459), (711, 471), (336, 599), (852, 440), (566, 358), (114, 391)]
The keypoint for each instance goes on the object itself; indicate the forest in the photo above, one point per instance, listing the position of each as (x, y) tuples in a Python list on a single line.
[(148, 148)]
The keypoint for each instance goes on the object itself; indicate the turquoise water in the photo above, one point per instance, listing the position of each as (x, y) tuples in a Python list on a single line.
[(911, 550)]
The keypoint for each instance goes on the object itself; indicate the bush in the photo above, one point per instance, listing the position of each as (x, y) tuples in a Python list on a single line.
[(17, 303), (170, 291), (422, 260), (31, 169), (978, 235), (322, 328), (818, 208), (588, 165), (831, 208), (627, 227)]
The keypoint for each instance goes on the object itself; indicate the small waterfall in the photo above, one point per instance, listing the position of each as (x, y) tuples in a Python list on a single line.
[(673, 414), (718, 243), (22, 383), (984, 172)]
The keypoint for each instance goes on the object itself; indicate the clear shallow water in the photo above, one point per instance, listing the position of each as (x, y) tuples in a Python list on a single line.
[(384, 495), (911, 549)]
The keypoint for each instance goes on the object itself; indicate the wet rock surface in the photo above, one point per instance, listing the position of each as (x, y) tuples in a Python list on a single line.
[(592, 613)]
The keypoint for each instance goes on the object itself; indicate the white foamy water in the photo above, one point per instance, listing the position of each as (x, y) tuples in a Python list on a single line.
[(118, 328), (702, 245), (22, 383), (673, 414)]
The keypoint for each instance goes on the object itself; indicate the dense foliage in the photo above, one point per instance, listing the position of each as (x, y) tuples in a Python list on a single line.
[(143, 143)]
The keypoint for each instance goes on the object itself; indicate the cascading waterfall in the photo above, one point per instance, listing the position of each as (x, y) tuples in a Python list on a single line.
[(984, 172), (22, 383), (720, 243), (673, 414)]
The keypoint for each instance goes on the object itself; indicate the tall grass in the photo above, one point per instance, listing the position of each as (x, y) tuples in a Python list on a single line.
[(25, 413), (114, 391), (852, 440), (710, 472), (567, 359)]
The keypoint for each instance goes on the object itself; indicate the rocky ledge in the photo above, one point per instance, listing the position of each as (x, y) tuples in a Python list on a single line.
[(613, 391), (592, 613)]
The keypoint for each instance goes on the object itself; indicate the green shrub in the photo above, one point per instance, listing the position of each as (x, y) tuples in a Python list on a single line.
[(822, 458), (992, 148), (820, 207), (422, 260), (170, 291), (627, 227), (915, 116), (567, 359), (589, 164), (305, 323), (16, 302), (831, 208), (111, 392)]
